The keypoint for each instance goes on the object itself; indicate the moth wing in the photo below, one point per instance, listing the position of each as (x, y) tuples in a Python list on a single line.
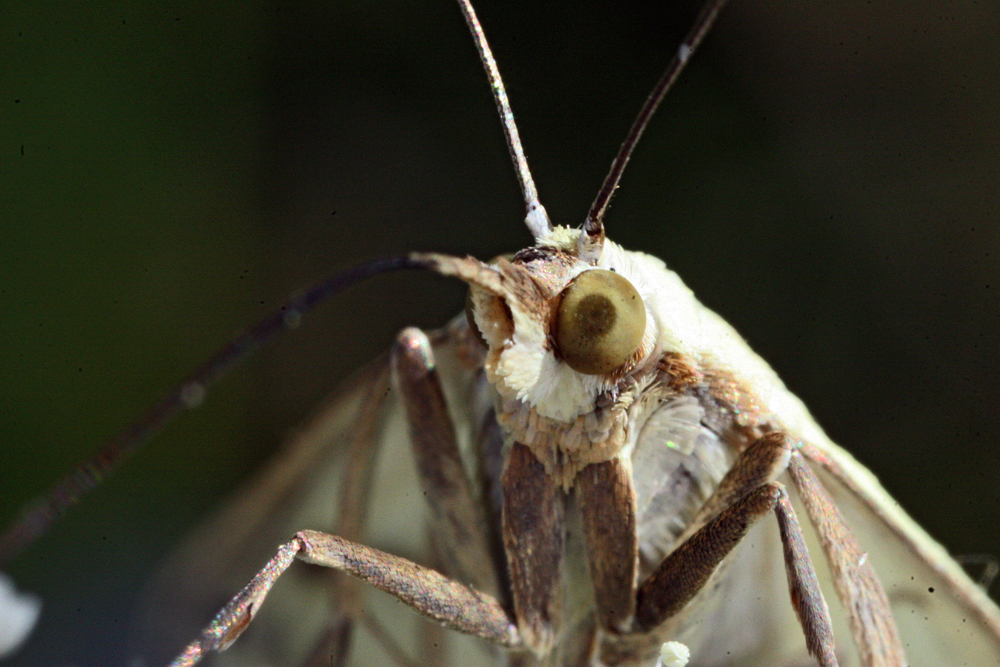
[(944, 617), (299, 488)]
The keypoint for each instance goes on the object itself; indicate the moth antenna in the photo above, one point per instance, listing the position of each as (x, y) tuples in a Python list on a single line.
[(37, 516), (536, 219), (592, 238)]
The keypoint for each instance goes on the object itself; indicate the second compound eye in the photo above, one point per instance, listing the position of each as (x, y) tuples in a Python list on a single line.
[(600, 323)]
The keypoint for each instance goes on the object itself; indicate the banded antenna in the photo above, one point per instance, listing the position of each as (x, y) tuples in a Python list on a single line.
[(592, 239), (536, 219)]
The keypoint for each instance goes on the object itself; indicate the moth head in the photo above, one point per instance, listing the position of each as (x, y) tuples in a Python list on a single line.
[(558, 331)]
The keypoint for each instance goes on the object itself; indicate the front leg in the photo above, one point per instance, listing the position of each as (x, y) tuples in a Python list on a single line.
[(458, 524), (434, 595), (746, 493), (534, 529), (607, 512)]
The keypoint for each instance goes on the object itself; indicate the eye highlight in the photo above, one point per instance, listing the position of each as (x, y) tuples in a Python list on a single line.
[(600, 323)]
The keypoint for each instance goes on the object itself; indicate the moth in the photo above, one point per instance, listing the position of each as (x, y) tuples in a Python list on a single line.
[(129, 549)]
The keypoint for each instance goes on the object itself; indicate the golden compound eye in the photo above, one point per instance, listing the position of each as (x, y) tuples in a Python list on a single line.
[(600, 322)]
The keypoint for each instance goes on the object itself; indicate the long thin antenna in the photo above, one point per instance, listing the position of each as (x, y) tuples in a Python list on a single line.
[(537, 219), (38, 516), (592, 238)]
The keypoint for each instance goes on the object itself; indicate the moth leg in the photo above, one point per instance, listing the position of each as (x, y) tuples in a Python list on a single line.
[(426, 591), (534, 528), (607, 512), (757, 465), (745, 494), (458, 524), (686, 570), (858, 586), (333, 646), (458, 527)]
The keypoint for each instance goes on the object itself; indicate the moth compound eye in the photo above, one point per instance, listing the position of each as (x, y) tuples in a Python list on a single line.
[(600, 322), (472, 320)]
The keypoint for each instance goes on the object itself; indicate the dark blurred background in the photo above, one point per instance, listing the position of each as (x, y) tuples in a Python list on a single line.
[(825, 176)]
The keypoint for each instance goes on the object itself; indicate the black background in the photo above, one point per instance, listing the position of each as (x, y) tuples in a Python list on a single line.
[(824, 176)]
